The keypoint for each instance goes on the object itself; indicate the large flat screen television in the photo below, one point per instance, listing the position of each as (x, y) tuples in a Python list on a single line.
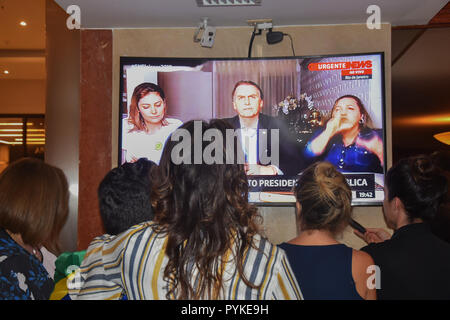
[(328, 107)]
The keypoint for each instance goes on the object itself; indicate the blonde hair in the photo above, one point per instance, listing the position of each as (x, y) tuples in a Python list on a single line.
[(325, 198)]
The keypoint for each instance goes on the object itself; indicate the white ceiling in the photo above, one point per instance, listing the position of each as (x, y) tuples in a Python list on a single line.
[(17, 41), (185, 13)]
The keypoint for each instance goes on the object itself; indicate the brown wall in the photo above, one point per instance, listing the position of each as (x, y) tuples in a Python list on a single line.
[(22, 96), (420, 82), (95, 128)]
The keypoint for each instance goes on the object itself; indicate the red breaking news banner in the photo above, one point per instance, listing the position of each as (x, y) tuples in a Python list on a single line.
[(327, 66), (356, 72)]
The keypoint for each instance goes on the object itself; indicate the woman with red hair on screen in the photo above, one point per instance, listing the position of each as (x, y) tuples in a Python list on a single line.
[(148, 125)]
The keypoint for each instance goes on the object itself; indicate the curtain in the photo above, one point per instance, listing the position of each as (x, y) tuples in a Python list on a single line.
[(277, 78)]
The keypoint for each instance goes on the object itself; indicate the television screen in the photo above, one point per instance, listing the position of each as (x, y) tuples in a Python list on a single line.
[(287, 112)]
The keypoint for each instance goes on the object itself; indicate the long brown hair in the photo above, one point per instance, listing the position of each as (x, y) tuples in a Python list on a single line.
[(34, 202), (204, 210)]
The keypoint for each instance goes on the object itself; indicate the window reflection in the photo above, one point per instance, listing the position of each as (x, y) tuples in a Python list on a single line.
[(14, 130)]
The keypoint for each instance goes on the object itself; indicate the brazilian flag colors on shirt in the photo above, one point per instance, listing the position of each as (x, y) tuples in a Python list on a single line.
[(66, 265)]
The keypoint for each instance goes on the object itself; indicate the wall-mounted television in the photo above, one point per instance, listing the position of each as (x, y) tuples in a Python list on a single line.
[(328, 107)]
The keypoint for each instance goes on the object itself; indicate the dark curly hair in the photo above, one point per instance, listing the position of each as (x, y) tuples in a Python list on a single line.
[(204, 210), (419, 184), (124, 196)]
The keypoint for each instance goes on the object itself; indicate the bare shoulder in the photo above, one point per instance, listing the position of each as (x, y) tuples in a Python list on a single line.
[(360, 262), (362, 259)]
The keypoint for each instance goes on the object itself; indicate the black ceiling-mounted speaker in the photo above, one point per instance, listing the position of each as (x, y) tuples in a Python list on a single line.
[(273, 37)]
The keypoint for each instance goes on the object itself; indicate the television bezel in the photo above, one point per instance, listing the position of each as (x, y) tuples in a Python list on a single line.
[(127, 60)]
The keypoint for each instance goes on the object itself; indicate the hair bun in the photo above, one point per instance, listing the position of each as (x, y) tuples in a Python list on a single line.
[(422, 168), (331, 182), (325, 198), (327, 174)]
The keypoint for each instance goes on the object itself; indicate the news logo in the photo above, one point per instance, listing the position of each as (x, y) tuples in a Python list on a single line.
[(350, 70)]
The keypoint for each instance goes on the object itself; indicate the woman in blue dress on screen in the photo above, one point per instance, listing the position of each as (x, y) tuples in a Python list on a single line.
[(148, 126), (326, 269), (347, 141)]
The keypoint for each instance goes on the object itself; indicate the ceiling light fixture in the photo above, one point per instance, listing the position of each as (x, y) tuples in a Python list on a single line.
[(6, 72), (228, 3), (23, 23)]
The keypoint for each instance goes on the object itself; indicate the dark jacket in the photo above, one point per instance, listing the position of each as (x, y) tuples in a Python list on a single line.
[(291, 160), (414, 264)]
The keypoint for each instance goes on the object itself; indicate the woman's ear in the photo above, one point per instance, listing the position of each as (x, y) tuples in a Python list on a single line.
[(398, 205), (401, 216), (298, 210), (362, 120)]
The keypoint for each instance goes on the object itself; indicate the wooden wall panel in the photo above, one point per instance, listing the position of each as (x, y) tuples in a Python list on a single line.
[(95, 128)]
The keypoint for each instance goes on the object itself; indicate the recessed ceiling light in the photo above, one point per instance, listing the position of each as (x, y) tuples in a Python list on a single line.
[(6, 72), (23, 23)]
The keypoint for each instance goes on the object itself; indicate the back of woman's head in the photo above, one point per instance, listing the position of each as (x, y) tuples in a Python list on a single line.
[(34, 202), (325, 198), (202, 207), (419, 184), (124, 196)]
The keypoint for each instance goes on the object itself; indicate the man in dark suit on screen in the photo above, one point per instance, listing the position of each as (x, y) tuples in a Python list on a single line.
[(263, 137)]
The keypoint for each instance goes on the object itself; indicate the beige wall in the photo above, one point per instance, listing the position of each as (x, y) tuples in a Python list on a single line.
[(279, 222), (22, 96)]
